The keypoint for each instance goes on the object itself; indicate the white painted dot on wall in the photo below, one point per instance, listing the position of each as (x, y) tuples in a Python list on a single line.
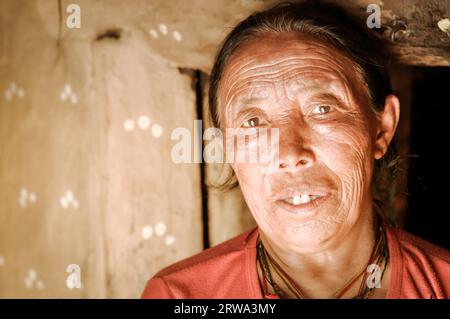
[(28, 283), (26, 197), (177, 36), (128, 125), (40, 285), (32, 198), (8, 95), (143, 122), (73, 99), (68, 94), (160, 228), (69, 195), (32, 274), (163, 28), (147, 232), (63, 202), (67, 88), (22, 202), (65, 92), (68, 199), (169, 240), (153, 33), (23, 197), (20, 93), (13, 90), (156, 130), (32, 280)]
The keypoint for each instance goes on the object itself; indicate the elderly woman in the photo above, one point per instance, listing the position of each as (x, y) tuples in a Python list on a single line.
[(318, 77)]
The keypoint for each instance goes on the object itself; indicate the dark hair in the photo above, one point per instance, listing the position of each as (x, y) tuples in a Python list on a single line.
[(333, 26)]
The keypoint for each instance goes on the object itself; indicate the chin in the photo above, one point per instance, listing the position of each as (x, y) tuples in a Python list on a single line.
[(311, 236)]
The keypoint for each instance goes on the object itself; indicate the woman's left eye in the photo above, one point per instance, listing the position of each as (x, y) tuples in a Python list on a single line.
[(253, 122), (321, 109)]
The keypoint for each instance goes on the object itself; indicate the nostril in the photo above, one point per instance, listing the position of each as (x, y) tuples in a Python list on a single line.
[(303, 162)]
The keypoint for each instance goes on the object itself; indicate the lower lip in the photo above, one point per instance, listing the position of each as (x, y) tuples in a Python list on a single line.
[(307, 209)]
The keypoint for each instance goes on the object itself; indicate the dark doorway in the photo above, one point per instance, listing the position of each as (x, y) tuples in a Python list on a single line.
[(428, 178)]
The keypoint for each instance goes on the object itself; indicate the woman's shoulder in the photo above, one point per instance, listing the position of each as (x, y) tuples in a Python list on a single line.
[(415, 246), (200, 272), (422, 268)]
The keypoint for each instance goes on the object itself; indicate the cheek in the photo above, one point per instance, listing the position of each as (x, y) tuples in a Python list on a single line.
[(252, 157), (347, 151), (251, 182), (250, 177)]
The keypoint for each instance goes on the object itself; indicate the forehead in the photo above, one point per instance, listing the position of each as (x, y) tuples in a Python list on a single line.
[(287, 61)]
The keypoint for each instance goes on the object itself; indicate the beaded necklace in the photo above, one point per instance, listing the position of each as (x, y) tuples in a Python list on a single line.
[(379, 256)]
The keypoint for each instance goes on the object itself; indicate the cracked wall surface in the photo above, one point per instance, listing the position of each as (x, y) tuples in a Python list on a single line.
[(86, 117), (85, 171)]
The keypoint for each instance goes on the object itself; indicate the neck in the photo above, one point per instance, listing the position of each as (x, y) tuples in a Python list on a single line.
[(322, 273)]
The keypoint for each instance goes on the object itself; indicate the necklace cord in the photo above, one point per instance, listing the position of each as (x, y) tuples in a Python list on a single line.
[(379, 256)]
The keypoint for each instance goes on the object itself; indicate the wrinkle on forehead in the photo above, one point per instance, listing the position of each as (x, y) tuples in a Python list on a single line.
[(260, 64), (298, 79), (255, 94)]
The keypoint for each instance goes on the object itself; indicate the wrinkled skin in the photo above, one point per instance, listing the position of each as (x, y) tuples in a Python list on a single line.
[(329, 138)]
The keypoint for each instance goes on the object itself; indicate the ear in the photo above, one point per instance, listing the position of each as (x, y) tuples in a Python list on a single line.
[(386, 126)]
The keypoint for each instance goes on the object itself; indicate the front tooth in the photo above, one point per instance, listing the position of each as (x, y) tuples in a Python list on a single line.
[(304, 198), (299, 199), (296, 200)]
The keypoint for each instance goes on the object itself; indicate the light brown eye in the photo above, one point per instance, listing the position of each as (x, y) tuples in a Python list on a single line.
[(254, 121), (322, 109)]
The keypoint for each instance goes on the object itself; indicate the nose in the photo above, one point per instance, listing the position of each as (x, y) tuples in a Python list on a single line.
[(294, 150)]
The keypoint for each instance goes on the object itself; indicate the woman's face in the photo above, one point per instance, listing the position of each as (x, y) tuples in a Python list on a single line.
[(318, 187)]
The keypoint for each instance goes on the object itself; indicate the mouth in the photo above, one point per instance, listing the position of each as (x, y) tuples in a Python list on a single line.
[(302, 201)]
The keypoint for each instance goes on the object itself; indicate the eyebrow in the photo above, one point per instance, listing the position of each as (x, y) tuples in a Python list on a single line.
[(329, 97), (245, 103), (244, 106)]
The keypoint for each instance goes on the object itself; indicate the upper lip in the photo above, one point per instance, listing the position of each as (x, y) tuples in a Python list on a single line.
[(302, 189)]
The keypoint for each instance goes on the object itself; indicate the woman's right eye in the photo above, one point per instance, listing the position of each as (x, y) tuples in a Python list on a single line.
[(253, 122)]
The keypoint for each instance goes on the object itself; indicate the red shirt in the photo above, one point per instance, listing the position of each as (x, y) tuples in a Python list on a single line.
[(418, 270)]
